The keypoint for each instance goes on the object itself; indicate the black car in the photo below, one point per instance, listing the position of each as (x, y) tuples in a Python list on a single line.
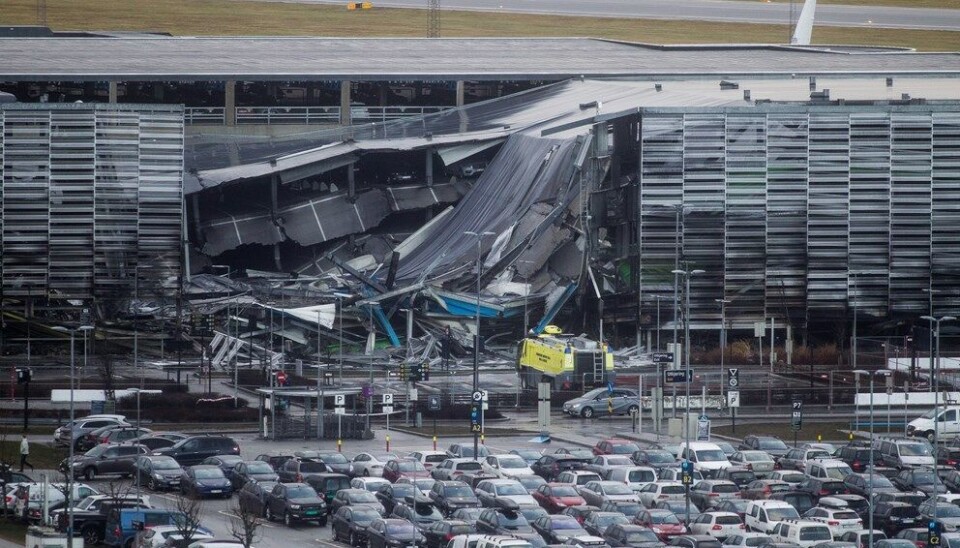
[(773, 446), (392, 533), (469, 515), (952, 481), (450, 496), (356, 497), (275, 461), (113, 459), (194, 449), (821, 487), (252, 497), (510, 523), (298, 470), (739, 475), (349, 524), (558, 529), (596, 523), (858, 457), (328, 485), (158, 473), (948, 457), (893, 517), (549, 466), (335, 461), (913, 498), (395, 493), (439, 533), (860, 484), (800, 500), (225, 462), (249, 470), (695, 541), (919, 479), (293, 502), (420, 511), (630, 536), (580, 512)]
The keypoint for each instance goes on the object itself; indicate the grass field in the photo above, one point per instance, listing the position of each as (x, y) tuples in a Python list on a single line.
[(227, 17), (831, 431), (11, 530), (933, 4)]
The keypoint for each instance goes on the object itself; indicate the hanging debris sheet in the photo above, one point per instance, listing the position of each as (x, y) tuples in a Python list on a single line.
[(360, 222)]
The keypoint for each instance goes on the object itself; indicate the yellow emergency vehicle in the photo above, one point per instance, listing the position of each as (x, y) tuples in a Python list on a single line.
[(571, 362)]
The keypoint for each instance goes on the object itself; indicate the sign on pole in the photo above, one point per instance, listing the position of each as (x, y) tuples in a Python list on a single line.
[(433, 402), (796, 415), (388, 399), (663, 357), (733, 377), (733, 399), (677, 375), (339, 400), (485, 398), (703, 428)]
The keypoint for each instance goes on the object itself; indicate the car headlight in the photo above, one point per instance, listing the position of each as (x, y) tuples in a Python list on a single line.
[(294, 506), (158, 477)]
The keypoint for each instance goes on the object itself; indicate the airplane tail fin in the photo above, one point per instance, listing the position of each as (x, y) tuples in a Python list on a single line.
[(804, 29)]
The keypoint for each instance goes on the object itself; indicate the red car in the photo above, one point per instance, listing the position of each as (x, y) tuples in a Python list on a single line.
[(615, 447), (404, 468), (557, 497), (664, 523)]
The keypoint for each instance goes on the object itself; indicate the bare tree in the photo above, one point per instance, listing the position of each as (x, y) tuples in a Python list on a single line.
[(245, 525), (107, 376), (187, 518)]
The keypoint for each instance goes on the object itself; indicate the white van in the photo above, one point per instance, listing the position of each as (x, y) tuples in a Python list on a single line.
[(706, 457), (763, 515), (806, 533), (635, 477), (947, 420)]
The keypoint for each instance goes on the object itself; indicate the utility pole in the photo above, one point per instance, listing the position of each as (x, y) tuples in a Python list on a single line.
[(433, 28), (476, 341)]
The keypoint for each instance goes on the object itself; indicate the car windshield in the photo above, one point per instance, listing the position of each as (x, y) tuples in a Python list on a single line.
[(641, 476), (617, 489), (532, 513), (659, 457), (610, 519), (619, 461), (531, 482), (564, 491), (768, 444), (780, 514), (364, 497), (711, 455), (165, 464), (815, 533), (457, 491), (878, 481), (664, 518), (755, 457), (96, 451), (931, 413), (642, 536), (756, 541), (792, 477), (467, 452), (400, 529), (948, 511), (839, 472), (401, 490), (510, 489), (816, 454), (624, 449), (914, 450), (209, 473), (565, 522), (312, 467), (301, 492), (258, 467), (512, 462), (365, 515), (427, 512), (851, 515), (435, 458), (626, 508), (512, 521), (334, 458), (411, 466), (925, 478)]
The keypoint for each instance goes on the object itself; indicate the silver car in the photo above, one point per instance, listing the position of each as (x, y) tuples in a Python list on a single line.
[(600, 401)]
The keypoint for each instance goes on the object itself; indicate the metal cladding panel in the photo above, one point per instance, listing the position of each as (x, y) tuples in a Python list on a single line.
[(846, 208), (226, 233), (330, 217), (92, 198)]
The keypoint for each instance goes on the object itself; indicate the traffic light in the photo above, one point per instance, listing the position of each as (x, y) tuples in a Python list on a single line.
[(404, 375), (933, 528)]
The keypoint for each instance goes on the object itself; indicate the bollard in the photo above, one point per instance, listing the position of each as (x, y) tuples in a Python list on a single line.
[(482, 438), (339, 446), (434, 443), (819, 437), (388, 443), (851, 436)]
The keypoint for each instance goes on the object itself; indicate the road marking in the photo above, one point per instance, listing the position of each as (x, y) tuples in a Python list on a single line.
[(263, 522), (329, 543)]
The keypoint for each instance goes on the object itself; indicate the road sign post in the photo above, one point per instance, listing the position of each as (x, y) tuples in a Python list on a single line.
[(796, 418), (733, 402), (677, 375)]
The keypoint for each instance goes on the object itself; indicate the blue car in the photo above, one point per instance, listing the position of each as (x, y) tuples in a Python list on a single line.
[(204, 480)]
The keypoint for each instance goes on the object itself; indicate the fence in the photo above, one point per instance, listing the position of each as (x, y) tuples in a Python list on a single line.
[(350, 427), (303, 115)]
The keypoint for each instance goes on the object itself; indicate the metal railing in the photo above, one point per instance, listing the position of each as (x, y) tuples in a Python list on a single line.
[(303, 115)]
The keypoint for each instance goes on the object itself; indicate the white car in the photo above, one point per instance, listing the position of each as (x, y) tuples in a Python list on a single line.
[(429, 459), (746, 539), (55, 494), (718, 525), (491, 491), (652, 493), (452, 469), (635, 477), (791, 477), (506, 466), (464, 541), (838, 520), (370, 464), (806, 533), (760, 462), (673, 474), (370, 484), (157, 535)]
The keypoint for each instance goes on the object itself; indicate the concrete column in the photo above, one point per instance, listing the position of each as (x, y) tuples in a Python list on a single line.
[(429, 168), (461, 91), (112, 92), (230, 102), (383, 94), (345, 103), (158, 91)]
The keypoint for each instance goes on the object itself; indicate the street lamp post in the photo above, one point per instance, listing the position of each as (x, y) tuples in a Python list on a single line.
[(340, 297), (73, 365), (879, 373), (686, 360), (476, 341), (935, 385)]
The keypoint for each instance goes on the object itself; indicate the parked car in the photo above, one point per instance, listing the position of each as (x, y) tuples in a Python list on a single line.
[(161, 536), (557, 529), (793, 478), (615, 446), (356, 497), (654, 458), (858, 457), (393, 494), (861, 538), (297, 470), (596, 523), (603, 464), (740, 475), (159, 440), (623, 535), (796, 459), (391, 533), (550, 466), (158, 473), (707, 493), (205, 480), (491, 492), (758, 462), (73, 431), (465, 451), (764, 489), (599, 401), (664, 523), (861, 484), (252, 497), (556, 497), (292, 502), (439, 533), (821, 487), (369, 463), (429, 459), (506, 466), (327, 485), (747, 540), (453, 468), (450, 496), (251, 470), (695, 541), (718, 525), (769, 444), (194, 449), (506, 522), (598, 492), (349, 524), (102, 460), (839, 521), (661, 490), (919, 479), (113, 433)]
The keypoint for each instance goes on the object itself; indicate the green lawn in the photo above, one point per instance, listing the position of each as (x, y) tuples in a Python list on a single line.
[(41, 455), (11, 530), (228, 17)]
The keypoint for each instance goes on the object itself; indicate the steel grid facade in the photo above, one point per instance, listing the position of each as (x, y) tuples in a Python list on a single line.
[(91, 198), (802, 213)]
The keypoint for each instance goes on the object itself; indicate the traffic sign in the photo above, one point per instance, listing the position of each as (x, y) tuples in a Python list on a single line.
[(339, 411), (677, 375), (733, 399), (475, 420), (733, 377), (485, 398), (339, 400), (477, 395), (796, 415), (663, 357), (433, 402), (686, 472), (610, 387), (388, 399), (388, 409), (281, 378)]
